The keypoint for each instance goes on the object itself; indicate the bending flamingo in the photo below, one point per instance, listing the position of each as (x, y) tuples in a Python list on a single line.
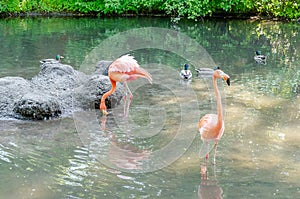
[(211, 126), (123, 69)]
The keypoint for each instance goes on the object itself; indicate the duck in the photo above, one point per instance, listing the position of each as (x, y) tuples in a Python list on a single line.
[(259, 58), (52, 61), (206, 72), (186, 74)]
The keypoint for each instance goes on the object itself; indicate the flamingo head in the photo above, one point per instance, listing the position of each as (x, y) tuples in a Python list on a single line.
[(103, 109), (220, 74)]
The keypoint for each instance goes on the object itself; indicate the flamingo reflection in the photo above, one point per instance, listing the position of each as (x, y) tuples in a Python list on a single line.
[(124, 155), (209, 188)]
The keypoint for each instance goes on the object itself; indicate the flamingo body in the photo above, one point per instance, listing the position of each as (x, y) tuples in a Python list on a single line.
[(123, 69), (209, 127)]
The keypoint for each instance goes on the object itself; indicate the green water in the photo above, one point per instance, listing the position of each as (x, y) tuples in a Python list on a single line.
[(76, 157)]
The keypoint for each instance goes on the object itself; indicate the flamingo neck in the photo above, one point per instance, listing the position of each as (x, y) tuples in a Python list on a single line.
[(219, 103), (113, 88)]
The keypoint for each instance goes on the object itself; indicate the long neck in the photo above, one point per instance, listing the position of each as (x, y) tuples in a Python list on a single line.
[(219, 103), (113, 88)]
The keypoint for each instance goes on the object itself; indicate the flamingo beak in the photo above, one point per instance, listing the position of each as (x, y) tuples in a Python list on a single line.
[(104, 112), (227, 79)]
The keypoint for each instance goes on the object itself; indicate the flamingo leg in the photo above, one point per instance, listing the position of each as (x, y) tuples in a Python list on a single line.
[(129, 91), (215, 152), (207, 156), (125, 102), (126, 108)]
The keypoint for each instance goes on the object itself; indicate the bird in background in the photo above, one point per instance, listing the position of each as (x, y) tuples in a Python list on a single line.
[(259, 58), (186, 74), (211, 126), (206, 72), (123, 69), (52, 61)]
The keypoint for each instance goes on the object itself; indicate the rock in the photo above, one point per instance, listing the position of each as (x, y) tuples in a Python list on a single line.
[(58, 78), (37, 107), (89, 94), (11, 90), (57, 90), (59, 81), (102, 67)]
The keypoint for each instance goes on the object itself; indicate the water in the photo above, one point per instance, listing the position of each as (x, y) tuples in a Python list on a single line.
[(258, 155)]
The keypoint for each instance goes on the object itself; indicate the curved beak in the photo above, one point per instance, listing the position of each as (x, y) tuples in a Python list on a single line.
[(227, 79), (104, 112)]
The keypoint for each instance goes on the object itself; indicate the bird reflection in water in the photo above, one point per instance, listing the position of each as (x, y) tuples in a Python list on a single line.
[(209, 188), (124, 155)]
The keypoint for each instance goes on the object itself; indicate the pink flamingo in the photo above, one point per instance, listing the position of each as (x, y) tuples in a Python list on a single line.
[(211, 126), (123, 69)]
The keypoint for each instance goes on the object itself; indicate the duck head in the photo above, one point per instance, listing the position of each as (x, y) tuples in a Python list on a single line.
[(58, 57), (186, 66), (258, 52)]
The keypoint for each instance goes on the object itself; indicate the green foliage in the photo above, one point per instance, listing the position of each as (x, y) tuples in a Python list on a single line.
[(279, 8), (9, 6), (191, 9)]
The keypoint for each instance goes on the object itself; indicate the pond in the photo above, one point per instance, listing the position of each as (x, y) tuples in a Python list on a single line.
[(154, 152)]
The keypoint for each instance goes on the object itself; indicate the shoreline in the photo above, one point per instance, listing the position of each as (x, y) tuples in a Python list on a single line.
[(225, 16)]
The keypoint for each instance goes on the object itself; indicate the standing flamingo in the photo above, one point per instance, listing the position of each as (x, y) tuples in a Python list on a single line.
[(211, 126), (123, 69)]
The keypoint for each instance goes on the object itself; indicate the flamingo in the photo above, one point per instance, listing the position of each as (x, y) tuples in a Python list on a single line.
[(211, 126), (123, 69)]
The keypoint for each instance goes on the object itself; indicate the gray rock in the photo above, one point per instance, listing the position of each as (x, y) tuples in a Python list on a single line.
[(89, 94), (37, 107), (11, 90), (59, 81), (102, 67), (57, 90)]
